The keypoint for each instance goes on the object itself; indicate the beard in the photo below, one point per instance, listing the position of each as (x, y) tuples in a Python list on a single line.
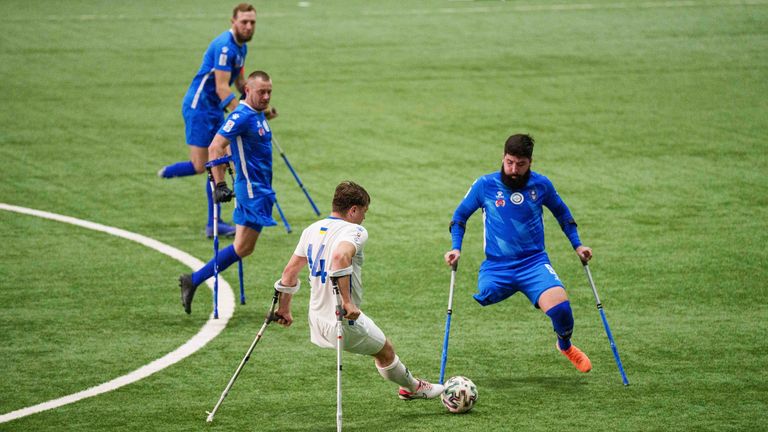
[(515, 182), (241, 38)]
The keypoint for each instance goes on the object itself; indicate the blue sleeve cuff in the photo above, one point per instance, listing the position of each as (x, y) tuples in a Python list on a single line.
[(225, 102)]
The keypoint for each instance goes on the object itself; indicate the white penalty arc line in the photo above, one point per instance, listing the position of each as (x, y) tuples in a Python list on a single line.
[(208, 332)]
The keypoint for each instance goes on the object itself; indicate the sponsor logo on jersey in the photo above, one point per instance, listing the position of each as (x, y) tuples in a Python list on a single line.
[(516, 198), (228, 126), (235, 116), (224, 49), (500, 200)]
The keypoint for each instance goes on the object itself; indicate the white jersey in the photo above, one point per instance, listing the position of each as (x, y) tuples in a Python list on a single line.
[(317, 244)]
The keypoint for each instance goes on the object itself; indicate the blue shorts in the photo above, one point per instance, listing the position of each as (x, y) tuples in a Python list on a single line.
[(201, 125), (500, 279), (256, 212)]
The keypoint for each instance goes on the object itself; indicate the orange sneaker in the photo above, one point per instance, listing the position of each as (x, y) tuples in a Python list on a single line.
[(577, 357)]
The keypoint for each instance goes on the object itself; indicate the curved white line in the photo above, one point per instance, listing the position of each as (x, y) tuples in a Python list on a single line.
[(210, 330)]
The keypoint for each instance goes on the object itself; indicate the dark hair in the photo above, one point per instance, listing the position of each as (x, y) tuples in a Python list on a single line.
[(242, 7), (520, 145), (259, 74), (349, 194)]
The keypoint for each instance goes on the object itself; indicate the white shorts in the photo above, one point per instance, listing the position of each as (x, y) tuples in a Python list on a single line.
[(361, 336)]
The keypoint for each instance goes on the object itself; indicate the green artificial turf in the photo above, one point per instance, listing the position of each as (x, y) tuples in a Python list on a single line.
[(650, 119)]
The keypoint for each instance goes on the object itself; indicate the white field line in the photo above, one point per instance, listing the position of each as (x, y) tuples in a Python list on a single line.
[(501, 7), (210, 330)]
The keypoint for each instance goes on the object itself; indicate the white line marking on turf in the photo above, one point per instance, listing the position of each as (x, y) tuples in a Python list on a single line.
[(210, 330), (565, 7), (494, 7)]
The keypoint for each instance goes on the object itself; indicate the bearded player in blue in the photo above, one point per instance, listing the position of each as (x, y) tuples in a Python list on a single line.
[(248, 132), (511, 201), (210, 95)]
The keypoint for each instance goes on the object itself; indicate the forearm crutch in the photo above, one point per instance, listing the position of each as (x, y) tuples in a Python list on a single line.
[(296, 176), (212, 184), (605, 324), (444, 358), (271, 316)]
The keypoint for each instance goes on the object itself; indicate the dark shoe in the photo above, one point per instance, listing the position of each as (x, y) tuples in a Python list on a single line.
[(187, 291)]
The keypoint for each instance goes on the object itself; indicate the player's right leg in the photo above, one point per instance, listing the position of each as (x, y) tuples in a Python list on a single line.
[(554, 303), (391, 368)]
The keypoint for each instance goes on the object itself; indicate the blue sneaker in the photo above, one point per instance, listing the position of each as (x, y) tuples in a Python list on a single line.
[(225, 230)]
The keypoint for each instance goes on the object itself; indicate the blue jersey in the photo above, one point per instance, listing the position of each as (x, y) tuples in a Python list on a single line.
[(514, 228), (223, 54), (251, 142)]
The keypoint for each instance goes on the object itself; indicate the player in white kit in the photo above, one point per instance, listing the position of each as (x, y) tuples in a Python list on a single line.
[(333, 247)]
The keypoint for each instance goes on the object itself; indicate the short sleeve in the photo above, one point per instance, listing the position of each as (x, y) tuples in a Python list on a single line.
[(301, 248), (224, 58), (233, 126), (355, 234)]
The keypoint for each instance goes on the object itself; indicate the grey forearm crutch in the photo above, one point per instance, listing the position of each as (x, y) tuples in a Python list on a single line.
[(271, 316), (340, 312)]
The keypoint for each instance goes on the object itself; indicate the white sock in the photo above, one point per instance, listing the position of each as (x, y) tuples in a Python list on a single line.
[(398, 373)]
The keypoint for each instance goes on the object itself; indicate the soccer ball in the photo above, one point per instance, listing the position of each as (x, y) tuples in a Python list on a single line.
[(459, 395)]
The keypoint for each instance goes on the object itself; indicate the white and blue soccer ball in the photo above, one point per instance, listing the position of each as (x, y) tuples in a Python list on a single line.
[(459, 395)]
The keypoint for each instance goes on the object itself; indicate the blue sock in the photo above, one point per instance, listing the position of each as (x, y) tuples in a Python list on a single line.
[(562, 320), (179, 169), (210, 205), (227, 257)]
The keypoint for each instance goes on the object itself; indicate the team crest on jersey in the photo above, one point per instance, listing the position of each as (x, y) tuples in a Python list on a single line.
[(517, 198), (533, 194), (500, 201), (261, 129)]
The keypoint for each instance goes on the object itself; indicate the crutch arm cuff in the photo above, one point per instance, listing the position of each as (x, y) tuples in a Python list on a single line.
[(346, 271), (287, 289), (220, 161)]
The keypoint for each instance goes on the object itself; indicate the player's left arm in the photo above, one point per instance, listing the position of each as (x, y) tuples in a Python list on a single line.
[(562, 213), (224, 91), (341, 262)]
